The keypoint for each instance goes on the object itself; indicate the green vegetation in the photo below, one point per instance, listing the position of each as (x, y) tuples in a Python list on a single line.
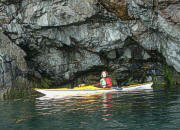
[(159, 84), (168, 72), (45, 83), (41, 83)]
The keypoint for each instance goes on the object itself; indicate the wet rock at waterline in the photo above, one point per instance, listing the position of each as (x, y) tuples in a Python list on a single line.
[(3, 92), (66, 40)]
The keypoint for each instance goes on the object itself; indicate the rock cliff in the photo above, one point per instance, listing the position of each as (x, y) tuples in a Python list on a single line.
[(64, 40)]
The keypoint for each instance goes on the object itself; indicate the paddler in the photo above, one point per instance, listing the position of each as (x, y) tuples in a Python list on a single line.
[(105, 81)]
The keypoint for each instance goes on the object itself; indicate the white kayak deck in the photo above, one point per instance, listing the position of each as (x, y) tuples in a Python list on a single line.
[(55, 93)]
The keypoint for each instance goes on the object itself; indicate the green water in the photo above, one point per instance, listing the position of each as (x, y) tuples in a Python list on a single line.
[(117, 111)]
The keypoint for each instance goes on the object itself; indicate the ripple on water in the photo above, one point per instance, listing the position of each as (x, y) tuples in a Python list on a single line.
[(132, 111)]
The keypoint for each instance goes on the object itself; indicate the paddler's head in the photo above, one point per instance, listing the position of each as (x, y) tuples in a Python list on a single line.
[(104, 74)]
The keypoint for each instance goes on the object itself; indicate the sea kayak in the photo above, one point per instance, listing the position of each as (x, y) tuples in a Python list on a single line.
[(90, 90)]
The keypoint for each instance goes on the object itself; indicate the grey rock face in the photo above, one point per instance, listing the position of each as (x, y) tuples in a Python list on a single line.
[(94, 37), (12, 61), (112, 54), (63, 38), (127, 54), (56, 12), (63, 65), (160, 22)]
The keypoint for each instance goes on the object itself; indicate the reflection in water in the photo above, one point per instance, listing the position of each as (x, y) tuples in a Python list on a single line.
[(88, 104), (151, 110), (107, 104)]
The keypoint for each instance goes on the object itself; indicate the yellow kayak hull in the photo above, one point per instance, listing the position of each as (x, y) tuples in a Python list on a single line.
[(89, 90)]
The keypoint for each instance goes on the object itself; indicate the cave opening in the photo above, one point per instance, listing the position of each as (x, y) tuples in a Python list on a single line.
[(131, 64)]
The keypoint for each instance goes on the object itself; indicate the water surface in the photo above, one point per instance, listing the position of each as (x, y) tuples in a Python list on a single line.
[(116, 111)]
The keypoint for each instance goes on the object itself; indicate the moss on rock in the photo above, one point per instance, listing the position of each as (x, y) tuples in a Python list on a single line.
[(169, 76)]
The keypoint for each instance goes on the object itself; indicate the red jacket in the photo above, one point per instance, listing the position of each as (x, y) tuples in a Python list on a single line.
[(108, 82)]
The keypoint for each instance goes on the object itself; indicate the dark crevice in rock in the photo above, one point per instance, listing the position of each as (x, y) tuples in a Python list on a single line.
[(92, 20), (9, 2)]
